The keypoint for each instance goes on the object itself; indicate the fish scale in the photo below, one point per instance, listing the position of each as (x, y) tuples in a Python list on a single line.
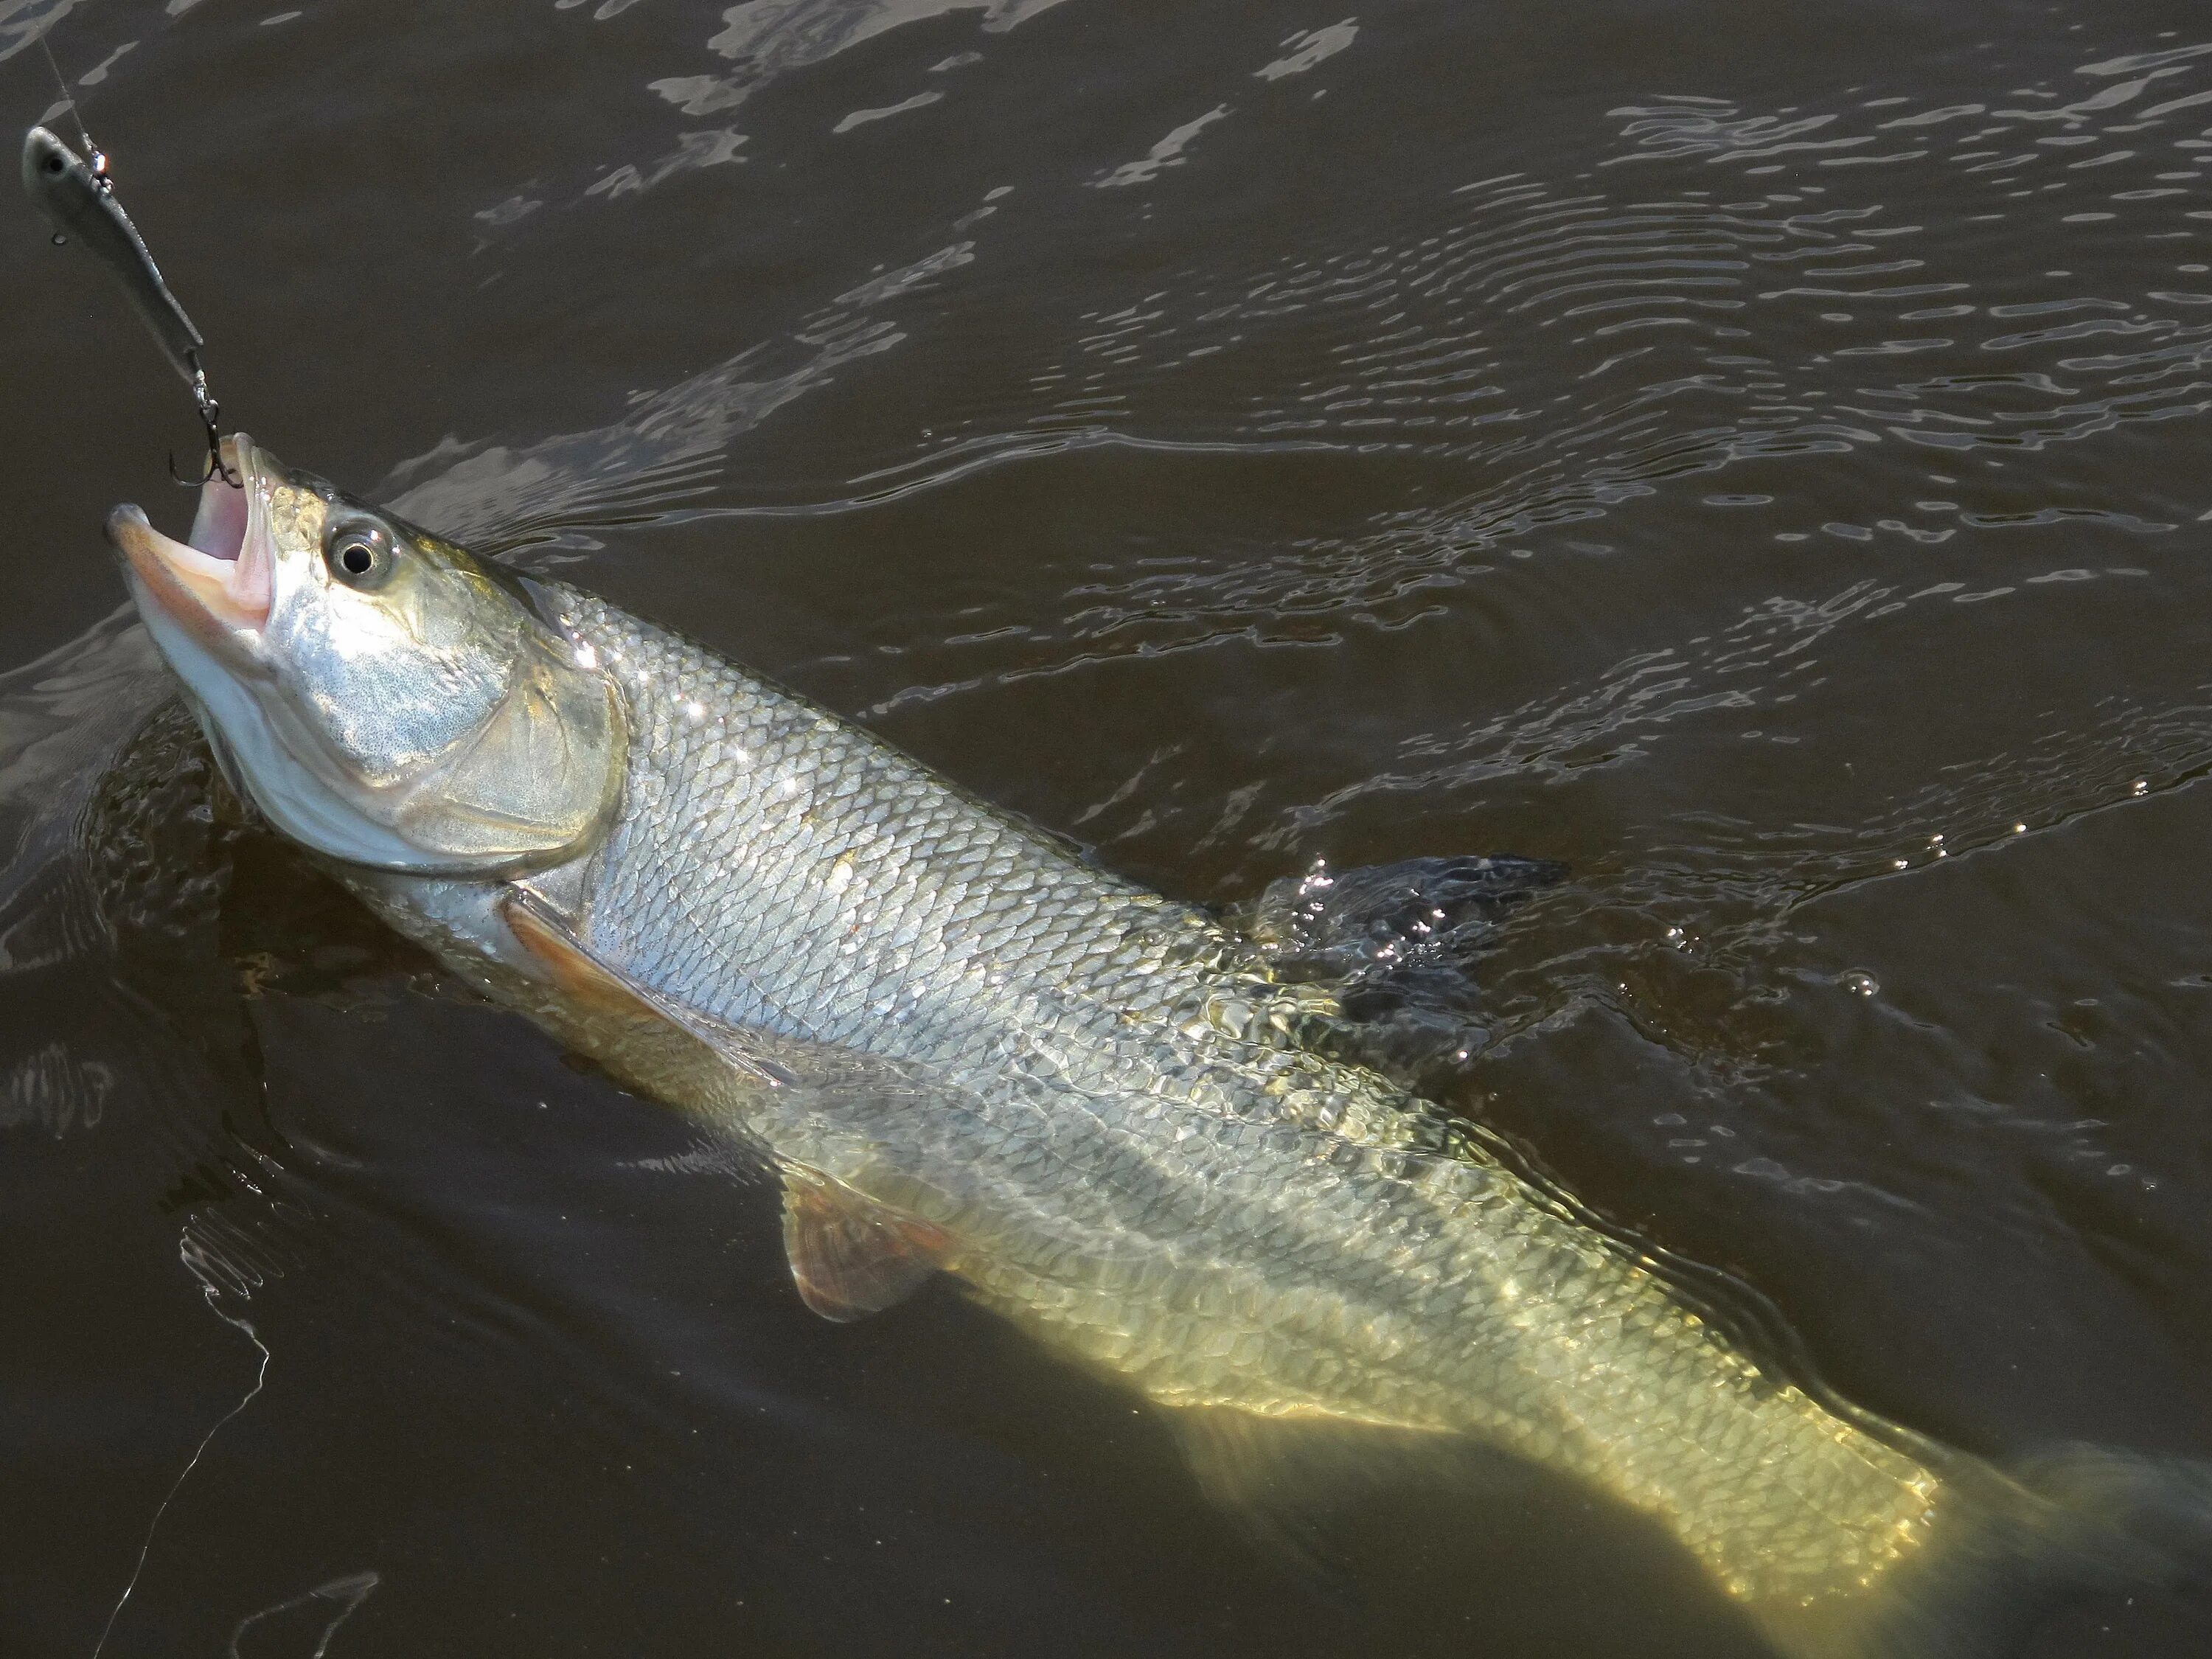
[(1140, 1162)]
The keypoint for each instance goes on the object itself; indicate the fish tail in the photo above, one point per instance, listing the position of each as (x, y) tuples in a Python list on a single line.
[(2011, 1547)]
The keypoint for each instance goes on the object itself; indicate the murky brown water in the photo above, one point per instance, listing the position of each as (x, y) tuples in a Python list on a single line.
[(1754, 454)]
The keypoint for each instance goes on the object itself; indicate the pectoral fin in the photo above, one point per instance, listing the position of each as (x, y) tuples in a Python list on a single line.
[(581, 976), (851, 1256), (600, 992)]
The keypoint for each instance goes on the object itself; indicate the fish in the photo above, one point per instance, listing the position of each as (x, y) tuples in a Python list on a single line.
[(77, 200), (968, 1052)]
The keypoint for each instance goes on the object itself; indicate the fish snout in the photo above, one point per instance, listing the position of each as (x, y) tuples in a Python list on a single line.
[(218, 583)]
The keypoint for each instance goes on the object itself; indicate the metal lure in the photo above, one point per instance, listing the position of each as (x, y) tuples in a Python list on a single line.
[(80, 202)]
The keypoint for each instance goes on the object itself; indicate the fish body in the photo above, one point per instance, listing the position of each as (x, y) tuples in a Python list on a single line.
[(79, 202), (1140, 1162), (967, 1050)]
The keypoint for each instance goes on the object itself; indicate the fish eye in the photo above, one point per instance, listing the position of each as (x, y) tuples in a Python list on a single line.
[(55, 164), (360, 556)]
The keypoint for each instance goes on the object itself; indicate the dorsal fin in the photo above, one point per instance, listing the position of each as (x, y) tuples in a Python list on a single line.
[(851, 1256)]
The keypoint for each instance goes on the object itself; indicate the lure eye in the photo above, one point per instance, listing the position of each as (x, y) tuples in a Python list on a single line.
[(56, 166)]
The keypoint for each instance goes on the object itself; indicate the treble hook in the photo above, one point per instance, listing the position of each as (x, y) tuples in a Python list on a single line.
[(211, 418)]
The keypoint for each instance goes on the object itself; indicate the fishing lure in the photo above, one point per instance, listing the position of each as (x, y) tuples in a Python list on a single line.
[(78, 198)]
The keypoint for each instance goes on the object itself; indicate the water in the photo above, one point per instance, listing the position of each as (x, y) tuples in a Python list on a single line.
[(1751, 454)]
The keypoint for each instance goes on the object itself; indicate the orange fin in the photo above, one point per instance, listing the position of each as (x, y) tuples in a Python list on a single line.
[(578, 974), (591, 984), (851, 1256)]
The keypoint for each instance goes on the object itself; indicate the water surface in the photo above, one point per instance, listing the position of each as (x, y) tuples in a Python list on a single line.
[(1752, 455)]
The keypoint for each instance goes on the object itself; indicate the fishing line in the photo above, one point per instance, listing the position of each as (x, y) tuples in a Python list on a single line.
[(210, 1292), (94, 155)]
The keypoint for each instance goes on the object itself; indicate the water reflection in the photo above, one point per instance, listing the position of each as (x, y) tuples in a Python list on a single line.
[(1748, 457)]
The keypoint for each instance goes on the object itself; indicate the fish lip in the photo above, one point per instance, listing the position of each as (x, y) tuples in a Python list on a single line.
[(218, 585)]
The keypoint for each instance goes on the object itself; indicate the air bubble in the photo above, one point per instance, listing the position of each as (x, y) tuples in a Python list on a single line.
[(1860, 983)]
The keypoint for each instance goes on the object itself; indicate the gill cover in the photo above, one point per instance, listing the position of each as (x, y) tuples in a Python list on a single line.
[(382, 695)]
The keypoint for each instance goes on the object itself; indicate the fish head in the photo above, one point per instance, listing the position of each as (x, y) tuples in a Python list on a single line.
[(384, 697)]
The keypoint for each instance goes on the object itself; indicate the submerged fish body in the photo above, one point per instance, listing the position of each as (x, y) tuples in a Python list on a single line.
[(967, 1050)]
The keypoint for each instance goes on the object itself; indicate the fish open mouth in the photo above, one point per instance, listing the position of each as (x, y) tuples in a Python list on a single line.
[(218, 583)]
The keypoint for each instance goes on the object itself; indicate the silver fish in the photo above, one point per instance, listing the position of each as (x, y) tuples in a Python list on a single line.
[(967, 1051), (78, 201)]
